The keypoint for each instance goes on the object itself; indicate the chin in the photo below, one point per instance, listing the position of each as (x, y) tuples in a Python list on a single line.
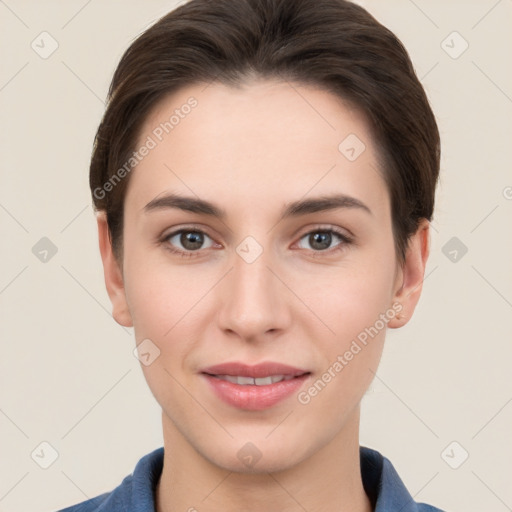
[(261, 455)]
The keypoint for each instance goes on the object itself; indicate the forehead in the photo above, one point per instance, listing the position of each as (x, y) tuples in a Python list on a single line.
[(265, 139)]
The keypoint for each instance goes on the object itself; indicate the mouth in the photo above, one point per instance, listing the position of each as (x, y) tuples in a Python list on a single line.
[(257, 371), (253, 381), (256, 387)]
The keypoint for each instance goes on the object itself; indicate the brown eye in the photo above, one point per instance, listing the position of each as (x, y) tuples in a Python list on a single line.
[(188, 240), (321, 239)]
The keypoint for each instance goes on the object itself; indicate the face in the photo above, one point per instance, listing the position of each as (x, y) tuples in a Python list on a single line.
[(265, 272)]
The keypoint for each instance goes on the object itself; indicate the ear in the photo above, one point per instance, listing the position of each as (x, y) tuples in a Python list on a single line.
[(113, 274), (410, 276)]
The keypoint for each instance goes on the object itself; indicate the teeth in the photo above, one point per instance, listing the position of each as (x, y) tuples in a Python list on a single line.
[(244, 380), (259, 381), (262, 381)]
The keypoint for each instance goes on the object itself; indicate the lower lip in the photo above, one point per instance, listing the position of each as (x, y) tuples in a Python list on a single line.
[(253, 397)]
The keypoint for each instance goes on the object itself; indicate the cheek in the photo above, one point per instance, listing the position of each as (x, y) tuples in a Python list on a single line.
[(357, 312), (161, 301), (354, 306), (350, 300), (160, 294), (167, 305)]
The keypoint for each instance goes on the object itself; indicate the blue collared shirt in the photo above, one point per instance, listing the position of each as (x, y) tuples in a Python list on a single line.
[(381, 483)]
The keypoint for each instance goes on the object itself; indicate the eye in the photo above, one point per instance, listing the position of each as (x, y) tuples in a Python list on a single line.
[(321, 239), (187, 241), (190, 242)]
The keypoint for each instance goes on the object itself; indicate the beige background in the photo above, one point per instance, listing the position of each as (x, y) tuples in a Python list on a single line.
[(68, 374)]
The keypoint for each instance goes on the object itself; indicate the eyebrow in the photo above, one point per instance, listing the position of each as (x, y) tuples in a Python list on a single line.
[(294, 209)]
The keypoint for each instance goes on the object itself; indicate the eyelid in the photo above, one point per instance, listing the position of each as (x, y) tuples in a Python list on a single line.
[(342, 232), (187, 227), (326, 227)]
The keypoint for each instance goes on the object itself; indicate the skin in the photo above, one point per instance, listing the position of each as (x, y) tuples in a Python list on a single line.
[(251, 150)]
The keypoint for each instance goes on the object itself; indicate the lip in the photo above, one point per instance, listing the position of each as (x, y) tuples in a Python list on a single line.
[(254, 397), (255, 371)]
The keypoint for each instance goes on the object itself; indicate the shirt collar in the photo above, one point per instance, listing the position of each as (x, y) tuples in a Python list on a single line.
[(381, 482)]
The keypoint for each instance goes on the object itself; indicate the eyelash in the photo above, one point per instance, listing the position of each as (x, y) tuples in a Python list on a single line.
[(345, 241)]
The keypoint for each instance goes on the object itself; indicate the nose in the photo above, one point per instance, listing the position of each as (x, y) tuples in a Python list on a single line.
[(254, 302)]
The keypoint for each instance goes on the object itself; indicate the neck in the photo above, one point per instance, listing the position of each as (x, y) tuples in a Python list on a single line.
[(327, 481)]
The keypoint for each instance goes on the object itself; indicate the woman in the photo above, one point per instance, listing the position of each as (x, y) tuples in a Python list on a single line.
[(264, 177)]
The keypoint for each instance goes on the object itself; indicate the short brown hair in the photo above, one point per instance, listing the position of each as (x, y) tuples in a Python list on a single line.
[(334, 44)]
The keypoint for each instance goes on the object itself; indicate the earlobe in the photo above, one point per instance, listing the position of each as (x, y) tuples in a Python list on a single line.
[(409, 281), (113, 275)]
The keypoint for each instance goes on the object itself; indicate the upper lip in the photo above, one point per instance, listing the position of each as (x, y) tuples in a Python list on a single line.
[(237, 368)]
